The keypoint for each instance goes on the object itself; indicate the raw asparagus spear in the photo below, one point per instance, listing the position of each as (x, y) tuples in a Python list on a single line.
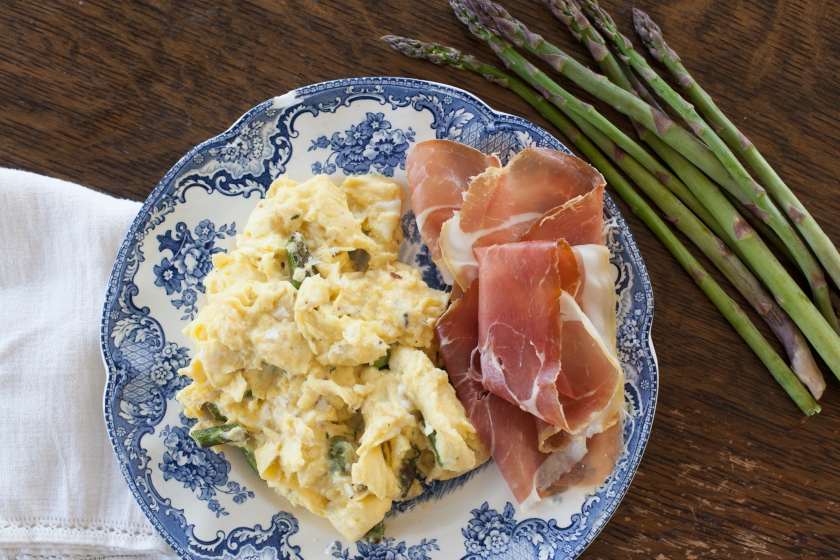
[(447, 56), (791, 298), (801, 360), (823, 247), (751, 215), (569, 13), (496, 19), (807, 263)]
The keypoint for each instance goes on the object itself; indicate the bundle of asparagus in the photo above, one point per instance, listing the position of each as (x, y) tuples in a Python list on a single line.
[(724, 225)]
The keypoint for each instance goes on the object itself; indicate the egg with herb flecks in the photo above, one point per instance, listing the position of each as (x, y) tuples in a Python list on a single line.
[(312, 355)]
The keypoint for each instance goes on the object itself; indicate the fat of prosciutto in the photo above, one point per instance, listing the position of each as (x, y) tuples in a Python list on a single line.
[(529, 341)]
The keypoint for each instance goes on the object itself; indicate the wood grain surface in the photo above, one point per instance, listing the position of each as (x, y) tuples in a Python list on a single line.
[(111, 95)]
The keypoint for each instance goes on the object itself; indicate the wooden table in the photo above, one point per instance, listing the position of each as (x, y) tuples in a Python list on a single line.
[(111, 95)]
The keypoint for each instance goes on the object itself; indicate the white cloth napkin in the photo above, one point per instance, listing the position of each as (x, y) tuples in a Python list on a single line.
[(61, 492)]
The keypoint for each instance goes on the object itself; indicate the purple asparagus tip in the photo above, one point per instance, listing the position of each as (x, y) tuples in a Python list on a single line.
[(651, 36), (496, 19)]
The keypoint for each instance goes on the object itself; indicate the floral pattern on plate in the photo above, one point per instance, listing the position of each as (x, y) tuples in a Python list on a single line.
[(189, 262), (368, 146), (198, 469)]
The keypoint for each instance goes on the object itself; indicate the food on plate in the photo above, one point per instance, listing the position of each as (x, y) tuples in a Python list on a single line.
[(538, 349), (579, 221), (501, 204), (509, 432), (314, 355), (530, 346), (439, 173)]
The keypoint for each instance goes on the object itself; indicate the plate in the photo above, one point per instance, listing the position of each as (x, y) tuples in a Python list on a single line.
[(212, 505)]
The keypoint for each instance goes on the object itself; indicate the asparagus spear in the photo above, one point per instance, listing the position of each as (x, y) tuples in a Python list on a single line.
[(217, 435), (433, 442), (376, 533), (408, 471), (809, 265), (823, 247), (791, 298), (341, 455), (214, 411), (569, 13), (249, 456), (747, 210), (300, 263), (678, 213), (802, 362)]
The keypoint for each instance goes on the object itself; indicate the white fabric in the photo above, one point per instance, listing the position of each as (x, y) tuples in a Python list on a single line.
[(61, 492)]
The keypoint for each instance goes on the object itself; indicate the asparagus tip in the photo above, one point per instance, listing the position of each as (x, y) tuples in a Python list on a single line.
[(499, 21), (416, 49), (652, 38), (643, 24)]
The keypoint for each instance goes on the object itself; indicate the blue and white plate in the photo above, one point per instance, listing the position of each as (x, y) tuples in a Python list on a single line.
[(212, 505)]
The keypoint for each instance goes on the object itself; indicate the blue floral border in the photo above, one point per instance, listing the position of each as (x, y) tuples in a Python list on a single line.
[(126, 384)]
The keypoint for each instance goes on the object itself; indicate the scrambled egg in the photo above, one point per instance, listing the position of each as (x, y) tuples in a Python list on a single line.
[(289, 363)]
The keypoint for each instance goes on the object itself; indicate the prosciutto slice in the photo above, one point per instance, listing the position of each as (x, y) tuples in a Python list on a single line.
[(552, 438), (502, 204), (538, 350), (597, 300), (506, 430), (602, 452), (519, 324), (532, 354), (457, 335), (579, 221), (439, 172)]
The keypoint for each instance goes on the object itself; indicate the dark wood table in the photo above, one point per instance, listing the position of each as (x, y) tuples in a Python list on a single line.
[(112, 94)]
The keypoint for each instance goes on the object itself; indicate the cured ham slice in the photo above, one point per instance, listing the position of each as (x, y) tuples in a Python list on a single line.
[(579, 221), (457, 335), (506, 430), (532, 355), (596, 295), (569, 267), (591, 378), (597, 300), (538, 349), (602, 453), (519, 324), (439, 172), (551, 438), (502, 204)]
